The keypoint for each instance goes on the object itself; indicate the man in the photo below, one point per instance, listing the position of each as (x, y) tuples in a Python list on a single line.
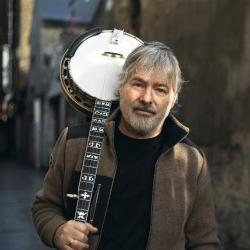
[(154, 184)]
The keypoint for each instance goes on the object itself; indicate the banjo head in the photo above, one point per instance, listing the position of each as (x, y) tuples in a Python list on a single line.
[(90, 68)]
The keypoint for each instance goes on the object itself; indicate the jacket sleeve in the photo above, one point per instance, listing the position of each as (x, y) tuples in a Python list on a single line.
[(201, 228), (47, 209)]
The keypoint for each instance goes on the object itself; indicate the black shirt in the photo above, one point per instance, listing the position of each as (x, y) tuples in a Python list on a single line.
[(127, 221)]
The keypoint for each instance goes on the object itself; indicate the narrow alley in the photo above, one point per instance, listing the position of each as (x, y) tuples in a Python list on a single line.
[(18, 185)]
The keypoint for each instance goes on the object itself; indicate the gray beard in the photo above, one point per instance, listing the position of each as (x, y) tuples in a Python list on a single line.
[(141, 125)]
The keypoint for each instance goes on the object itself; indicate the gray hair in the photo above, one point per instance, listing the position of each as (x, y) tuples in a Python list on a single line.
[(153, 56)]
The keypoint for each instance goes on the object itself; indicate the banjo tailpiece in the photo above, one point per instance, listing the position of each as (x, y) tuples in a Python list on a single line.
[(89, 77)]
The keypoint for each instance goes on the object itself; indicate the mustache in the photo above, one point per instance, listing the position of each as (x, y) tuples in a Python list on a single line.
[(144, 107)]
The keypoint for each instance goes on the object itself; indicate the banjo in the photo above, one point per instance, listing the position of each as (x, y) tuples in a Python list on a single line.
[(89, 77)]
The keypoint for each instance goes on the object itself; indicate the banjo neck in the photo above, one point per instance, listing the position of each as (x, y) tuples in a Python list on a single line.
[(91, 160)]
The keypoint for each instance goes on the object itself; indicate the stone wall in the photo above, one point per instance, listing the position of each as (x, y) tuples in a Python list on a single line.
[(212, 42)]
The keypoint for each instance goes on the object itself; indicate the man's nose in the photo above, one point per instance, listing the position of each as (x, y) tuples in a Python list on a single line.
[(147, 96)]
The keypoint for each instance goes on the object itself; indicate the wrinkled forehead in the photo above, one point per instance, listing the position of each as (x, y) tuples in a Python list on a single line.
[(152, 75)]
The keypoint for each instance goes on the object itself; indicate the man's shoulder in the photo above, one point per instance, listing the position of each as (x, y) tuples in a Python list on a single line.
[(189, 143), (190, 156), (187, 148), (79, 131)]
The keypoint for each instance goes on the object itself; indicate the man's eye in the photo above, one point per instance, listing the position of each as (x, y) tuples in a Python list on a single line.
[(137, 84), (162, 90)]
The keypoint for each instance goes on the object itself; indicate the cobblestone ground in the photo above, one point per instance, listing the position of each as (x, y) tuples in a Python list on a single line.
[(18, 184)]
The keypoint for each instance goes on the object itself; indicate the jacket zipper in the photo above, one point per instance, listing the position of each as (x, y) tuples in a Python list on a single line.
[(105, 214), (153, 188)]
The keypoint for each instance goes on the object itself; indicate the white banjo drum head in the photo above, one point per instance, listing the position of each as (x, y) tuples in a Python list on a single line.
[(91, 67), (97, 63)]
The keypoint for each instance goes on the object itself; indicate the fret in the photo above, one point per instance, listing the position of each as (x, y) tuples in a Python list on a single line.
[(98, 129), (93, 150), (95, 138), (89, 170), (96, 134), (81, 215), (99, 120), (91, 159), (83, 205), (96, 125), (103, 103), (100, 114), (84, 195), (94, 144), (90, 166), (91, 163), (85, 184), (88, 178), (102, 108), (88, 187)]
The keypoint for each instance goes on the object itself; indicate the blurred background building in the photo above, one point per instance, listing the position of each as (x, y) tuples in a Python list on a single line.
[(35, 36), (212, 42)]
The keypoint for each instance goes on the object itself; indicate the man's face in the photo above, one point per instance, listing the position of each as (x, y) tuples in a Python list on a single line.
[(145, 101)]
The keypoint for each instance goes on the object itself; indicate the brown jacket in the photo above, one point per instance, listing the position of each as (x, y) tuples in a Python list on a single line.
[(182, 211)]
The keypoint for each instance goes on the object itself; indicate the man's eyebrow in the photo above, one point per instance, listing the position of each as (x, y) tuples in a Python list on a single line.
[(137, 78), (159, 84)]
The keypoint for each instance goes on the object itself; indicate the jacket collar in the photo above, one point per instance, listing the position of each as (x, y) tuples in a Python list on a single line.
[(173, 130)]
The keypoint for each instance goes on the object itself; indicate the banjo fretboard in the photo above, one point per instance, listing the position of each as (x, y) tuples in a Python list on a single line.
[(91, 159)]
